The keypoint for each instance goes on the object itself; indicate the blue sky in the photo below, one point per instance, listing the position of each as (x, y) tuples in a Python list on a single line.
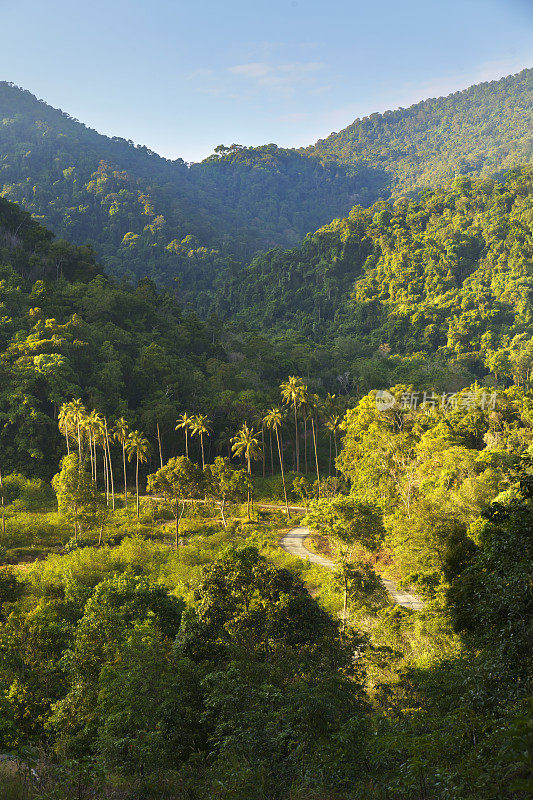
[(184, 77)]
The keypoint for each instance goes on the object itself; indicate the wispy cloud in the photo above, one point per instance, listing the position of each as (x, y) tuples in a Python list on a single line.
[(286, 77)]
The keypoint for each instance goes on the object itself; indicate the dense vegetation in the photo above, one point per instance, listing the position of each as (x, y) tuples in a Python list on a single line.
[(156, 643), (133, 668), (482, 130), (150, 217), (138, 209), (409, 289), (68, 331)]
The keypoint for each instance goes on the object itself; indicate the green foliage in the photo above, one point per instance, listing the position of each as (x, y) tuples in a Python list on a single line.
[(435, 291), (481, 130), (147, 216)]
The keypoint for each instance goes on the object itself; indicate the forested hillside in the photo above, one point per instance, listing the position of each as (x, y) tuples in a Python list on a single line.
[(66, 331), (482, 130), (136, 208), (150, 217), (449, 276)]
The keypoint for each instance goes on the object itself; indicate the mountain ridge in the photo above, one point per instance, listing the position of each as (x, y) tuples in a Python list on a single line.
[(147, 216)]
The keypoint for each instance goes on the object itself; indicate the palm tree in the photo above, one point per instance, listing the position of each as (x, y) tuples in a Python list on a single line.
[(273, 421), (90, 427), (120, 434), (64, 421), (139, 447), (291, 392), (313, 403), (247, 445), (185, 423), (201, 427), (98, 436), (333, 424), (77, 414), (110, 464)]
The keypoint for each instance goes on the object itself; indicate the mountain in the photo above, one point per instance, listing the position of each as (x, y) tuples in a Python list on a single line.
[(138, 209), (447, 276), (147, 216), (482, 130)]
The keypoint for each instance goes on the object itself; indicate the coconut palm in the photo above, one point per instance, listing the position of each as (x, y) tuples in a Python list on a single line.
[(77, 414), (246, 445), (185, 423), (98, 438), (313, 404), (138, 447), (201, 426), (333, 424), (64, 421), (109, 464), (291, 393), (273, 421), (120, 434), (89, 427)]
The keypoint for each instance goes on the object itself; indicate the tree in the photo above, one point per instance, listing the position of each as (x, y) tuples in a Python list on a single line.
[(225, 483), (138, 447), (78, 499), (185, 423), (121, 433), (201, 426), (304, 489), (360, 586), (247, 445), (346, 520), (178, 481), (333, 424), (273, 420), (292, 392)]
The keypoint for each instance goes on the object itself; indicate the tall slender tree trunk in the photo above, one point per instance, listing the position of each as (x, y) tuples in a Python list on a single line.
[(296, 440), (305, 442), (125, 475), (66, 438), (336, 454), (316, 453), (91, 452), (282, 474), (110, 466), (160, 448), (95, 456), (202, 446), (329, 459), (137, 485), (186, 442), (105, 472), (271, 454), (79, 444), (263, 444), (249, 465)]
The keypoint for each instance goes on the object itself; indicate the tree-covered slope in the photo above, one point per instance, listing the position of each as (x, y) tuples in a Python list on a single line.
[(136, 208), (451, 273), (67, 330), (148, 216), (483, 130)]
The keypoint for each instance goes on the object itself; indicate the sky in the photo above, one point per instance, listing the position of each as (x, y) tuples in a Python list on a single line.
[(183, 77)]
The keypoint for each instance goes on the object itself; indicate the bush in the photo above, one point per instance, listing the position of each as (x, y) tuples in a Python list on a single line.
[(27, 494)]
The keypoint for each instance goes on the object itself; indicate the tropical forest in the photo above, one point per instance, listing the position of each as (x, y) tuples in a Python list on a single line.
[(266, 459)]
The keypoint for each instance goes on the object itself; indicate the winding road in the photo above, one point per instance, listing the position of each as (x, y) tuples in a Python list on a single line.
[(293, 543)]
